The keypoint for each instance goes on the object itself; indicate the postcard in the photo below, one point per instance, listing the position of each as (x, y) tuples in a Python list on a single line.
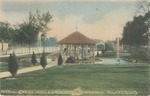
[(75, 47)]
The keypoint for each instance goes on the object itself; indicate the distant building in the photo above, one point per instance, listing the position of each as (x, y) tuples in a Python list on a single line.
[(100, 45)]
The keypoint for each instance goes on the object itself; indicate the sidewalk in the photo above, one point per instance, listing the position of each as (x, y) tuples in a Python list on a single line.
[(26, 70)]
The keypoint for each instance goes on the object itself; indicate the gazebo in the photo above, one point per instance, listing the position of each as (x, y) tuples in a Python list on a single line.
[(78, 46)]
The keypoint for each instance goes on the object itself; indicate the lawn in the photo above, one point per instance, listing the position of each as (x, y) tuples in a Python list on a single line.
[(99, 78), (4, 65), (22, 64)]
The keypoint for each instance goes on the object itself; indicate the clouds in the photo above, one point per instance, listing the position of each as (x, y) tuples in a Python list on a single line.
[(62, 9), (1, 12), (98, 20), (105, 29), (72, 0)]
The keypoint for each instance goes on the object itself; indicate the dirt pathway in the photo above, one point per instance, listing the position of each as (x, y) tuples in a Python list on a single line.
[(26, 70)]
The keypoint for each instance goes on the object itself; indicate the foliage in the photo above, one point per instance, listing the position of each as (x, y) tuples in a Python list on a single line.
[(60, 60), (134, 32), (7, 33), (28, 31), (43, 61), (41, 21), (136, 55), (143, 7), (109, 46), (12, 65), (34, 61), (108, 55), (147, 16)]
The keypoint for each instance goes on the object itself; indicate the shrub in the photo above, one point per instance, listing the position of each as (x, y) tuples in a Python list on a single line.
[(33, 60), (60, 60), (43, 61), (70, 60), (12, 64)]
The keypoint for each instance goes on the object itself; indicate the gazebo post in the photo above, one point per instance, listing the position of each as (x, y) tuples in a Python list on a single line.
[(92, 48), (85, 51), (61, 48), (93, 52), (82, 46), (69, 49), (74, 51)]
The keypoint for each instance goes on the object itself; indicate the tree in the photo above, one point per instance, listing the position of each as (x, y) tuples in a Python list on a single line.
[(108, 46), (6, 33), (43, 61), (134, 32), (34, 61), (27, 32), (60, 60), (41, 20), (143, 7), (12, 65)]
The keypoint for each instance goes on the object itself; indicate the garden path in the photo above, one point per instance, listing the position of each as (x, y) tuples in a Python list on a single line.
[(29, 69)]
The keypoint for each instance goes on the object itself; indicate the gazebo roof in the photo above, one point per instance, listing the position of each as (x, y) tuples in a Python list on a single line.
[(76, 38)]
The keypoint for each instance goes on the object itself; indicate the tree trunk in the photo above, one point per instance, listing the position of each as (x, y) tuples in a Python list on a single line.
[(29, 48), (2, 46)]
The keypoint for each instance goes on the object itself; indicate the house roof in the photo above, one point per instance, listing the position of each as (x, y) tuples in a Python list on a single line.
[(76, 38)]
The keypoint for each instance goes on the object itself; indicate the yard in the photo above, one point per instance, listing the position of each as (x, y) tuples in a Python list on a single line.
[(95, 79)]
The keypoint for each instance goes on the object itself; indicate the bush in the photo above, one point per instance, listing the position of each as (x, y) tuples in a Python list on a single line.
[(70, 60), (43, 61), (12, 65), (33, 60), (60, 60), (136, 55), (108, 55)]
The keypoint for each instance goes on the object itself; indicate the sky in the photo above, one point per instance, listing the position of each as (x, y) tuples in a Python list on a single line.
[(97, 19)]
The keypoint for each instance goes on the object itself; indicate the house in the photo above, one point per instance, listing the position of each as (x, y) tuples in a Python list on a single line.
[(100, 46)]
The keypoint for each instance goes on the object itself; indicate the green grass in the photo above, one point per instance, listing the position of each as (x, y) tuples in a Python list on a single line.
[(136, 55), (4, 65), (22, 64), (87, 77)]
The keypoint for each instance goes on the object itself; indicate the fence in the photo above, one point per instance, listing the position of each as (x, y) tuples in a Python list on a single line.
[(27, 50)]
